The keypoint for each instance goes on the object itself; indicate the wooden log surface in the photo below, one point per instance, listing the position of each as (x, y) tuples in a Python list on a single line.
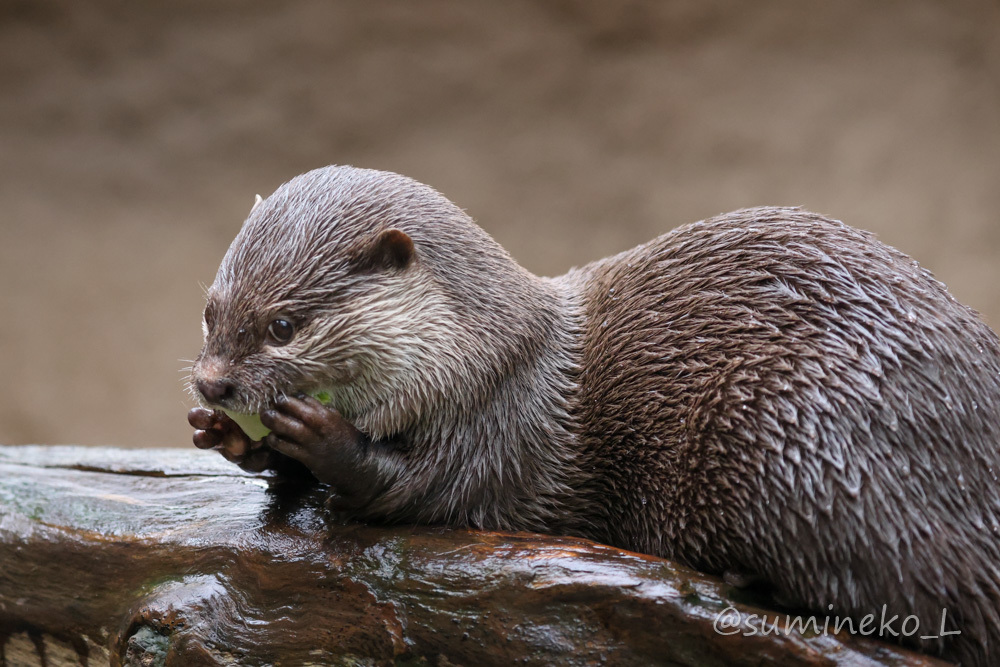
[(152, 557)]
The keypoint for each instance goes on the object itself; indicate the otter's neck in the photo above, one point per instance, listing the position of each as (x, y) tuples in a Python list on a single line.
[(499, 450)]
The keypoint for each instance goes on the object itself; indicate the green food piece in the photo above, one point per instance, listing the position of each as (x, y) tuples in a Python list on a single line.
[(251, 424)]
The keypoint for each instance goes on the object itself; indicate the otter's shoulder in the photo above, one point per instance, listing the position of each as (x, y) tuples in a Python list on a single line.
[(786, 265), (765, 233), (737, 245)]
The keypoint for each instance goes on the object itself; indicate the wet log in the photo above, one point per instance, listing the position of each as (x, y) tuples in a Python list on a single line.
[(174, 557)]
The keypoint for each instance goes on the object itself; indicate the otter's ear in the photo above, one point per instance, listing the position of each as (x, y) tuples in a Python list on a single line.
[(393, 249)]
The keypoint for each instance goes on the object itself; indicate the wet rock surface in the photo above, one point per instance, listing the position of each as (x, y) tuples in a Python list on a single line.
[(168, 557)]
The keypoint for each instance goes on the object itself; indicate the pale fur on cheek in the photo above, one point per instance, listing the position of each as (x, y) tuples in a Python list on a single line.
[(383, 361)]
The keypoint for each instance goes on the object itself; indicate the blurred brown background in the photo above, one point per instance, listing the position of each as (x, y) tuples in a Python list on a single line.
[(134, 135)]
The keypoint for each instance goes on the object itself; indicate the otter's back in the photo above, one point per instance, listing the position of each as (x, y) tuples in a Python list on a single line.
[(771, 377)]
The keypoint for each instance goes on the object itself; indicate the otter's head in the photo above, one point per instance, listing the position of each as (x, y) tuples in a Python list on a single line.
[(363, 284)]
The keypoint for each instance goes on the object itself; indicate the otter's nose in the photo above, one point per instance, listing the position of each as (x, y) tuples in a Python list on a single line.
[(216, 391)]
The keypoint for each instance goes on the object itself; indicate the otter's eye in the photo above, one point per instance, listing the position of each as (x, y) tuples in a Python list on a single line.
[(279, 332)]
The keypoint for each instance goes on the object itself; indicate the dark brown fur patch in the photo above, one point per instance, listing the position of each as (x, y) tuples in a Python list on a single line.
[(778, 393)]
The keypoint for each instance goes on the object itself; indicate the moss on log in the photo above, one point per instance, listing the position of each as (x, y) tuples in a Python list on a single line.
[(174, 557)]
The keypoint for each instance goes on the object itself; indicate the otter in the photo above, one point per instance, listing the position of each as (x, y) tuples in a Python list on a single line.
[(768, 393)]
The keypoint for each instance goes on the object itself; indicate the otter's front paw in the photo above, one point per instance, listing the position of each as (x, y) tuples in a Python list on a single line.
[(215, 430), (335, 452)]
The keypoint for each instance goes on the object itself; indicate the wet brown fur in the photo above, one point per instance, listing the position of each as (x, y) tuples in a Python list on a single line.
[(768, 391)]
